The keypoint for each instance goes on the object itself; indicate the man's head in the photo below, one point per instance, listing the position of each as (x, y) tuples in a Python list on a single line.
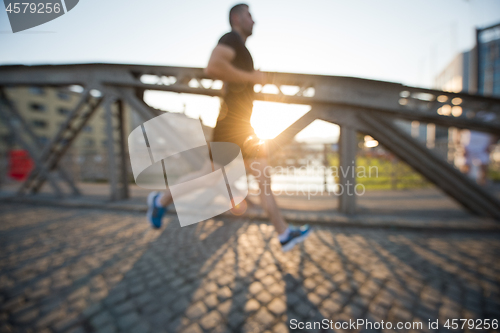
[(240, 19)]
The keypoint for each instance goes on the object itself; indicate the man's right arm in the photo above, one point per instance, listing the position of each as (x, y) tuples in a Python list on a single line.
[(220, 67)]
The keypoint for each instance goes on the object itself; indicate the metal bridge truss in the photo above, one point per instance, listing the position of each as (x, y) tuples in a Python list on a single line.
[(356, 105)]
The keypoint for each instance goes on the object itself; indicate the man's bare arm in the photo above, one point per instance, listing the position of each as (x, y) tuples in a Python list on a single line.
[(220, 67)]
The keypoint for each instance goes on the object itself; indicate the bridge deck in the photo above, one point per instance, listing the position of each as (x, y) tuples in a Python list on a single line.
[(83, 270)]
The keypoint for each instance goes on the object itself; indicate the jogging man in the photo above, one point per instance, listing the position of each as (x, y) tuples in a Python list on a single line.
[(232, 63)]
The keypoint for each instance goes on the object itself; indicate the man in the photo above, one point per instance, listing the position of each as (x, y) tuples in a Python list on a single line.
[(232, 63)]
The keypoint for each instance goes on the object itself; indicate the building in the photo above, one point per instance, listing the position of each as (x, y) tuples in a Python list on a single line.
[(466, 74), (45, 109), (476, 71), (488, 66)]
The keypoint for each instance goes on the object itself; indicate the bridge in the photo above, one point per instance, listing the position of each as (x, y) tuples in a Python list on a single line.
[(356, 105)]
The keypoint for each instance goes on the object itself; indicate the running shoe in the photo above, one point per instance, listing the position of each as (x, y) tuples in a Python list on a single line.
[(297, 235), (155, 213)]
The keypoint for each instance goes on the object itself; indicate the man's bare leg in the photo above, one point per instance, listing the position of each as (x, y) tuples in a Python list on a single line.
[(258, 169), (288, 237), (266, 195)]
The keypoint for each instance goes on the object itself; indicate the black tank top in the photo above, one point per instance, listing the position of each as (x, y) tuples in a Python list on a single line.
[(238, 96)]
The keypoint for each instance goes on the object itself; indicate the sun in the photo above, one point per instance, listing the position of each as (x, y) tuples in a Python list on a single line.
[(270, 119)]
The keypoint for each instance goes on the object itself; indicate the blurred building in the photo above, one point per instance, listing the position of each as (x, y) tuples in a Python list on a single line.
[(476, 71), (45, 109)]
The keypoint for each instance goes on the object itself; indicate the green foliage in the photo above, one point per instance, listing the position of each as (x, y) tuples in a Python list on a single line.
[(392, 173)]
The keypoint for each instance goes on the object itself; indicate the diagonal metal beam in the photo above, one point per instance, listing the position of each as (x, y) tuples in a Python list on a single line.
[(64, 141), (51, 146), (27, 129), (14, 126), (171, 134), (435, 169), (289, 133)]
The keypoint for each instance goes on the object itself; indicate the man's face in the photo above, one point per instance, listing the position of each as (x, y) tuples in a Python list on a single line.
[(245, 21)]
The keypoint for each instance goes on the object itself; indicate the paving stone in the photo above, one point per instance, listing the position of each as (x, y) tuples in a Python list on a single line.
[(240, 299), (101, 319), (180, 305), (224, 307), (160, 319), (68, 321), (310, 283), (264, 297), (26, 317), (224, 293), (196, 310), (264, 317), (140, 327), (292, 299), (123, 308), (314, 299), (127, 320), (92, 310), (330, 306), (38, 293), (224, 280), (13, 303), (116, 297), (302, 308), (268, 280), (153, 283), (255, 287), (210, 320), (177, 282), (275, 289), (79, 293), (235, 319), (210, 287), (78, 329), (49, 318), (193, 328), (136, 289), (211, 301), (277, 306), (252, 305), (143, 299), (108, 328), (151, 307), (280, 328)]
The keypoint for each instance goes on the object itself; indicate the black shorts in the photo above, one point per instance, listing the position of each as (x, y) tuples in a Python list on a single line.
[(242, 135)]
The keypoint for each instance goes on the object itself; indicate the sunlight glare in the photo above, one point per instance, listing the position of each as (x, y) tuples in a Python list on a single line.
[(270, 119)]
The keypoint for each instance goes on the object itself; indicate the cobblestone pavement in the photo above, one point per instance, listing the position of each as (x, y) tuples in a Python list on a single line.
[(82, 270)]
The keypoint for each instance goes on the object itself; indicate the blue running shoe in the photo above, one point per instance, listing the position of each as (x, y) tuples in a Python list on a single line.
[(297, 235), (155, 213)]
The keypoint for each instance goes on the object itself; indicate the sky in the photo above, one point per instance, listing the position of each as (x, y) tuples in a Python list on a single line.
[(407, 42)]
